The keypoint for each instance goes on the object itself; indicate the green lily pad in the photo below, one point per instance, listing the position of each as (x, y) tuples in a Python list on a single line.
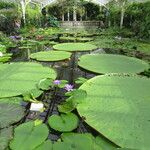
[(64, 122), (74, 47), (67, 39), (5, 137), (84, 39), (105, 144), (10, 113), (13, 100), (50, 56), (118, 107), (109, 63), (47, 145), (77, 141), (28, 136), (18, 78), (67, 106), (45, 84)]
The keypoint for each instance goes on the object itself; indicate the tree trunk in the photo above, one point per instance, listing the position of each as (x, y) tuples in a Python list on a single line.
[(23, 7), (68, 14), (122, 15), (63, 17), (122, 18), (74, 14)]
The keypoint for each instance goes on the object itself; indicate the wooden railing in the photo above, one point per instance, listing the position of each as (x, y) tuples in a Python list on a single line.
[(80, 23)]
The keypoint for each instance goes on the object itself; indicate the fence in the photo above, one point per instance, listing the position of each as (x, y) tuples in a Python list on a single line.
[(81, 24)]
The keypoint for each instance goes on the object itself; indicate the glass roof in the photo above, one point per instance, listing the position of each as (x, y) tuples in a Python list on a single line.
[(43, 3)]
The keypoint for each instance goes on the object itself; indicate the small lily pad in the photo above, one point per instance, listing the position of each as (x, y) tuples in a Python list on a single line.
[(50, 56), (45, 84), (64, 122)]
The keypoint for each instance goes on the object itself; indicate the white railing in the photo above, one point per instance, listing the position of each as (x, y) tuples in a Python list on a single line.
[(80, 23)]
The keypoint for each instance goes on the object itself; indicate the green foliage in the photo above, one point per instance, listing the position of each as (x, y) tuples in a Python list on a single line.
[(126, 44), (7, 5), (2, 48), (139, 16), (33, 15), (8, 15), (118, 108)]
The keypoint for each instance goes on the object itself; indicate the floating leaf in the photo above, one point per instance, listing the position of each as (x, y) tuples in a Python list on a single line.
[(45, 84), (31, 95), (18, 78), (109, 63), (76, 141), (50, 56), (47, 145), (77, 95), (105, 144), (5, 137), (62, 83), (13, 100), (80, 80), (64, 122), (118, 107), (10, 113), (73, 47), (28, 136), (67, 106)]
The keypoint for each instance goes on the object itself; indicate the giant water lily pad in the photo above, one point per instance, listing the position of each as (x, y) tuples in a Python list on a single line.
[(109, 63), (10, 113), (119, 108), (64, 122), (73, 47), (5, 137), (28, 136), (18, 78), (50, 56)]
